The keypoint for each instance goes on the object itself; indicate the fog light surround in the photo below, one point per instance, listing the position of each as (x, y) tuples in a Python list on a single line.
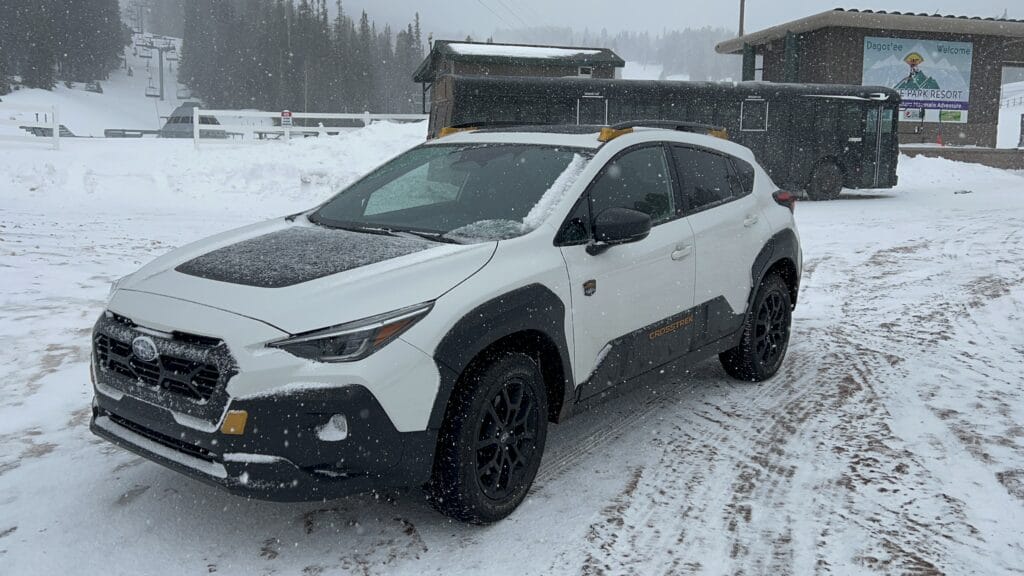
[(335, 430)]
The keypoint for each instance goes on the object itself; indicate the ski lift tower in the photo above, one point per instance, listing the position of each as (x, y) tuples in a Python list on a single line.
[(160, 49)]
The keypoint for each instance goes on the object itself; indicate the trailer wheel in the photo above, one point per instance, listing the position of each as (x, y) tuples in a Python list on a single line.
[(826, 181)]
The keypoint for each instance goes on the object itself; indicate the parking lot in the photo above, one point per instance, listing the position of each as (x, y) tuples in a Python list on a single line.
[(890, 442)]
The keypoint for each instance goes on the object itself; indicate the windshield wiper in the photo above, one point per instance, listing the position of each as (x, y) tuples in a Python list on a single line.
[(435, 236), (352, 228)]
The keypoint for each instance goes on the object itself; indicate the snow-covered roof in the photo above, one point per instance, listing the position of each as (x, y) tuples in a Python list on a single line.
[(879, 20), (493, 53), (512, 51)]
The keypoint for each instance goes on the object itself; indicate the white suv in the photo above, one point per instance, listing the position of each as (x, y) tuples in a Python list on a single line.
[(422, 327)]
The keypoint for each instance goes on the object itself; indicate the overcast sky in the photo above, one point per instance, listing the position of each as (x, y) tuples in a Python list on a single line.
[(449, 18)]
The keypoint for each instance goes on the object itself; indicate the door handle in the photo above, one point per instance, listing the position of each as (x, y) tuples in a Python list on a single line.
[(750, 221), (682, 252)]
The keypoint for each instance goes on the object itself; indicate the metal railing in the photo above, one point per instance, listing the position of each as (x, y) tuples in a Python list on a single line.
[(287, 131), (31, 119), (1012, 102)]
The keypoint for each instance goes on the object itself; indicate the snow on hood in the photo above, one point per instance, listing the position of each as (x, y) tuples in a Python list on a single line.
[(298, 254), (372, 274)]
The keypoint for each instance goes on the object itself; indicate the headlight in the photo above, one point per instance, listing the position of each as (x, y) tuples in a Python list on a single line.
[(354, 340), (113, 287)]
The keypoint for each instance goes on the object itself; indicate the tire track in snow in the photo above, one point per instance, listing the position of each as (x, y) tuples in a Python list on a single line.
[(645, 530)]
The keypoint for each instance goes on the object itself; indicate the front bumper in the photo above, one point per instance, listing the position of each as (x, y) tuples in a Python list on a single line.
[(280, 456)]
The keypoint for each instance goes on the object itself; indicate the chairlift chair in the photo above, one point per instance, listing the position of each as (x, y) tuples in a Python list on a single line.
[(171, 56), (145, 52), (152, 91)]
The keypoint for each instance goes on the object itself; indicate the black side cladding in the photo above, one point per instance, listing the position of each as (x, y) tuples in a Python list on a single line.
[(783, 245), (298, 254), (532, 308)]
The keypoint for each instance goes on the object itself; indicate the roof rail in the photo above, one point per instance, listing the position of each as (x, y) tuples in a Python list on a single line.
[(669, 125), (616, 130)]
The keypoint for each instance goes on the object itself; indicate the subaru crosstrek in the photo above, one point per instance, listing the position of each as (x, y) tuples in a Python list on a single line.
[(423, 326)]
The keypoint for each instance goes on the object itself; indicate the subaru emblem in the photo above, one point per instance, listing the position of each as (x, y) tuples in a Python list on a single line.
[(144, 349)]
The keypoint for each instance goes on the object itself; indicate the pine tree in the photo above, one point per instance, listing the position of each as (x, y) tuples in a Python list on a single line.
[(5, 41), (38, 67), (288, 54)]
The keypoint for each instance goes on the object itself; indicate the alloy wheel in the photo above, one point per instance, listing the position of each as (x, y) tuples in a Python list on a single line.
[(771, 329), (506, 439)]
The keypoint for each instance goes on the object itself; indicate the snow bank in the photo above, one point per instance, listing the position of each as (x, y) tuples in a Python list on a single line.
[(157, 174), (939, 174)]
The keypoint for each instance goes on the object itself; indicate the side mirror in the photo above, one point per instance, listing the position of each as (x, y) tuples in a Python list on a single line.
[(616, 226)]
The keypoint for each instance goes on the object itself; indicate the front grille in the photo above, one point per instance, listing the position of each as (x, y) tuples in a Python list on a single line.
[(190, 378), (189, 375), (172, 443)]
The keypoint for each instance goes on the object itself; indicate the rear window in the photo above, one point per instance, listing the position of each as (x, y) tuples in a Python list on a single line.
[(744, 175)]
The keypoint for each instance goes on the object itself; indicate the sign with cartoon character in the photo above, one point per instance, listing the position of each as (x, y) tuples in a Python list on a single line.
[(932, 76)]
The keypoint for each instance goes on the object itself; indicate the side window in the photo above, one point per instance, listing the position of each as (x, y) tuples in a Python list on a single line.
[(576, 229), (887, 123), (707, 179), (638, 180)]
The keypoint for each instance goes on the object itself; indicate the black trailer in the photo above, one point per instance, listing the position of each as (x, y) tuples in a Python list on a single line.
[(813, 137)]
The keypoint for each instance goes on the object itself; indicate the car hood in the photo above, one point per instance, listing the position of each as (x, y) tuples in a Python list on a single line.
[(298, 277)]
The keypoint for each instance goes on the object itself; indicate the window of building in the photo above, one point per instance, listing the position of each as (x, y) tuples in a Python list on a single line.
[(586, 71), (754, 116)]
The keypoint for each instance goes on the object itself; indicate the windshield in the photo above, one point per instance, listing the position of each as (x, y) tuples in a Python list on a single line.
[(461, 193)]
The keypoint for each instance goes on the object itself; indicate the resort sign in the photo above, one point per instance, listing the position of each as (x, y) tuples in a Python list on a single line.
[(933, 77)]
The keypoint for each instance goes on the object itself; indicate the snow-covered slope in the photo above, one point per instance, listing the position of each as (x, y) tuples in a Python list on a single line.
[(123, 103), (640, 71), (889, 443)]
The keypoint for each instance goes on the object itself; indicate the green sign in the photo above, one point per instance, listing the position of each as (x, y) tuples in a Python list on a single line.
[(933, 77)]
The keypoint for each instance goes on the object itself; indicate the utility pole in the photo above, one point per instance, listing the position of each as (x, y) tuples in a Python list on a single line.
[(743, 9)]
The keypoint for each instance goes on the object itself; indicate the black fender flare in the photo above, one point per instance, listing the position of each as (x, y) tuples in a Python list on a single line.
[(531, 308), (783, 245)]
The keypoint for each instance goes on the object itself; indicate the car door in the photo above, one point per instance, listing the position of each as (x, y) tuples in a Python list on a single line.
[(629, 302), (729, 231)]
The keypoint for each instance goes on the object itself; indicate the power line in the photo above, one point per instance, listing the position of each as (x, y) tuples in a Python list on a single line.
[(499, 16), (533, 13), (513, 12)]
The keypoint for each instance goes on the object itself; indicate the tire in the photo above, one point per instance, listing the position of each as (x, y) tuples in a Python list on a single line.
[(826, 182), (491, 442), (766, 332)]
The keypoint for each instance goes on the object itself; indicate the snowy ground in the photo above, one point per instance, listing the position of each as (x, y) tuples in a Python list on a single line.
[(891, 441)]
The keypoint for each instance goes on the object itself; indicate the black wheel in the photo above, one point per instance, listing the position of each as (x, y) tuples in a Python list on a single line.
[(765, 334), (492, 440), (826, 182)]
